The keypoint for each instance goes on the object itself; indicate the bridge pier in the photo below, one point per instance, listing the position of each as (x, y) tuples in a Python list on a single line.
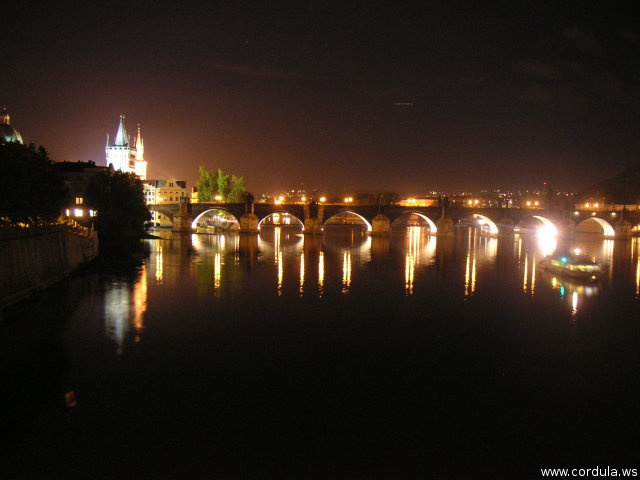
[(313, 214), (566, 227), (445, 226), (182, 220), (380, 225), (505, 226), (622, 229), (249, 223)]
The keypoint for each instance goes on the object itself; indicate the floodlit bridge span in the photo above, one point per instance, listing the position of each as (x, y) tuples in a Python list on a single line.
[(378, 219)]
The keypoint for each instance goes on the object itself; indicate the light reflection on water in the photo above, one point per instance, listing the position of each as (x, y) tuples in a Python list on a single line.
[(420, 249), (124, 307), (339, 261)]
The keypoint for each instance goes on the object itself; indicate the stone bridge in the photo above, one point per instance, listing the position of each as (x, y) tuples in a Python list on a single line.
[(441, 220)]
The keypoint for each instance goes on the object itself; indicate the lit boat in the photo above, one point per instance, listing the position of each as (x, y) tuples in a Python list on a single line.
[(574, 265)]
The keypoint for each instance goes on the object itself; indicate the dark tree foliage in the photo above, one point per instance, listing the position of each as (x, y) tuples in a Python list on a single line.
[(119, 200), (33, 191)]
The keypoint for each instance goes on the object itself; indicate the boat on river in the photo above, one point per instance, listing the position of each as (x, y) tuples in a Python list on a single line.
[(572, 264)]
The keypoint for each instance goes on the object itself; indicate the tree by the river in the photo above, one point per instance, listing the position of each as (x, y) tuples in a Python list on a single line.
[(229, 187), (34, 193), (118, 198)]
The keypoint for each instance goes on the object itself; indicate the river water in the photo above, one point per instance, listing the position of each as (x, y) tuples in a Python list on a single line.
[(334, 356)]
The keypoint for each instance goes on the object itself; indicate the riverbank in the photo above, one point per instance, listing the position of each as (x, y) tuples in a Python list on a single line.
[(35, 258)]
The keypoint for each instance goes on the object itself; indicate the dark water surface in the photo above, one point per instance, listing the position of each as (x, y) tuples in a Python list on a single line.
[(340, 356)]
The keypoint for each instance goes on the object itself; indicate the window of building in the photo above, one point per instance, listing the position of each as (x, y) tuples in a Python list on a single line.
[(79, 200)]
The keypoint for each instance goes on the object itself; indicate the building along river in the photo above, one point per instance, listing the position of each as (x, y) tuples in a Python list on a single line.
[(334, 356)]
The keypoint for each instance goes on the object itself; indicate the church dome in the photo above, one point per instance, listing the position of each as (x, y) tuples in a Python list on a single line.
[(7, 132)]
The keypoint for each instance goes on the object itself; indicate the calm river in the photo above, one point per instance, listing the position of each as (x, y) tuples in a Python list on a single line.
[(326, 357)]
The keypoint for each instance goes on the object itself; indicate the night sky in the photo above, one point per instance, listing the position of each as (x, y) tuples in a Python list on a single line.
[(334, 96)]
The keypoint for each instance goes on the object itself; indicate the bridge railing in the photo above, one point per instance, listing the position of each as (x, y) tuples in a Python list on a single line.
[(605, 207)]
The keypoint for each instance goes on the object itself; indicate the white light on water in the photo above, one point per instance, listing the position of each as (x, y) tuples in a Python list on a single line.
[(547, 241)]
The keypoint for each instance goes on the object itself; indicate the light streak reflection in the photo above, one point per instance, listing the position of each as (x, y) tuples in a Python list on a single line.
[(411, 257), (124, 307), (217, 270), (278, 257), (346, 272), (301, 273), (140, 303), (159, 264), (526, 272), (533, 276), (636, 256), (320, 273), (117, 313), (470, 268)]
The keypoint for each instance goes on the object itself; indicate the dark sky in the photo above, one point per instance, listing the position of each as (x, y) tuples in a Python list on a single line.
[(334, 95)]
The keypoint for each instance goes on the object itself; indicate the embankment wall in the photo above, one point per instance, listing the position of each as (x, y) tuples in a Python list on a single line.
[(33, 260)]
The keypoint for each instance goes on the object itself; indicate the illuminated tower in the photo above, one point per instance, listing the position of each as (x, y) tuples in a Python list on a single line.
[(123, 155), (140, 164), (119, 153)]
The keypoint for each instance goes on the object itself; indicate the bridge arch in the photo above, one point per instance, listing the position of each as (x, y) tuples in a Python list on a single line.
[(366, 222), (194, 224), (481, 221), (594, 225), (548, 227), (277, 214), (432, 226)]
